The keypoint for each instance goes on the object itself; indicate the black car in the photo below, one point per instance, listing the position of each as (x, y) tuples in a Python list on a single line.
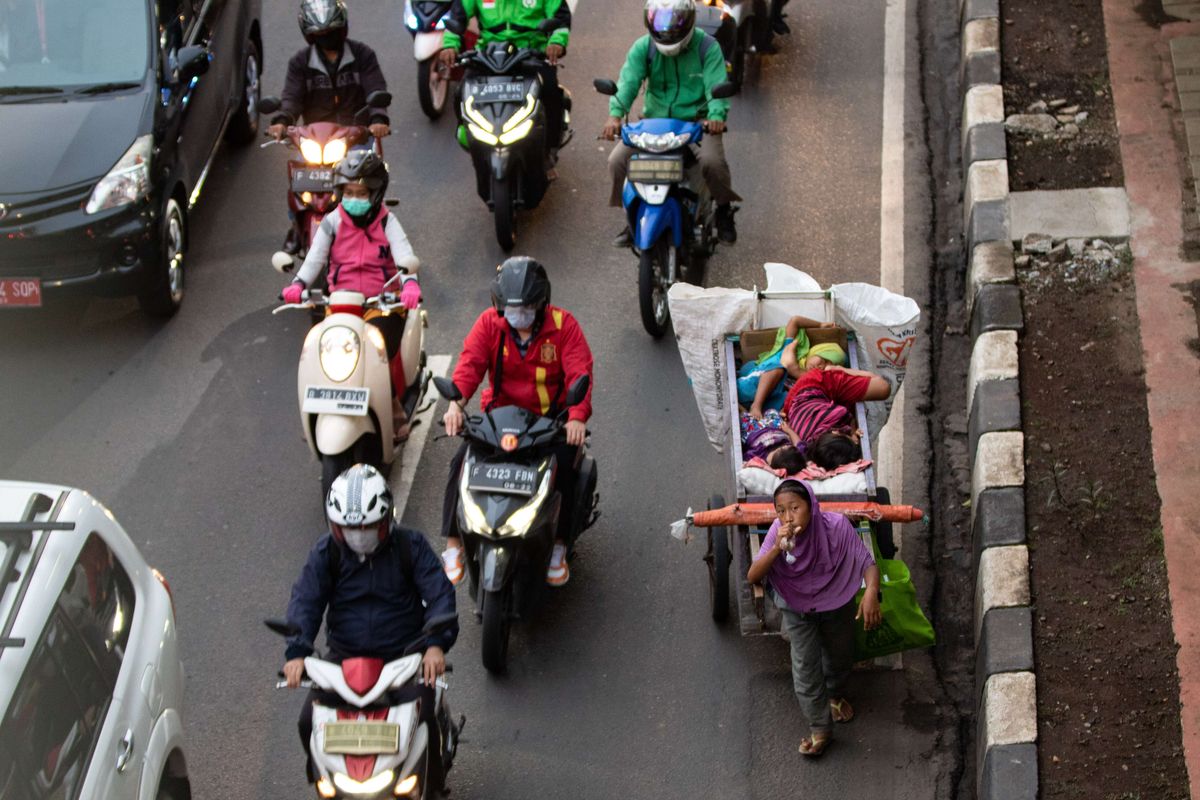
[(112, 112)]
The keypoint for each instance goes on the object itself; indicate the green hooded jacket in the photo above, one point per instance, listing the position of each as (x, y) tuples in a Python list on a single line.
[(513, 21), (678, 87)]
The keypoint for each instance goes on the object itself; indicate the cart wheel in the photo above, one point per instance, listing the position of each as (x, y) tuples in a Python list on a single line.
[(883, 530), (718, 558)]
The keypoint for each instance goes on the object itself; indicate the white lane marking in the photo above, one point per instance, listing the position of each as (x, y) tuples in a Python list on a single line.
[(891, 220), (410, 454)]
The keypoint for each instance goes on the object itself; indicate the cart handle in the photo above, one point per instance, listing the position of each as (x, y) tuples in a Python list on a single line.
[(764, 514)]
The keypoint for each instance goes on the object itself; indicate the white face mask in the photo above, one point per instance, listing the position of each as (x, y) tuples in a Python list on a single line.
[(363, 541), (520, 317)]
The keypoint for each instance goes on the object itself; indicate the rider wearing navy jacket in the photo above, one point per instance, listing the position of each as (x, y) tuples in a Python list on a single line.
[(375, 584)]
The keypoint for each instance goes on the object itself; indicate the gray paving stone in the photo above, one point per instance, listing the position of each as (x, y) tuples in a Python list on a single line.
[(983, 67), (1070, 213), (984, 142), (997, 308), (999, 519), (1009, 772), (1005, 644), (996, 407)]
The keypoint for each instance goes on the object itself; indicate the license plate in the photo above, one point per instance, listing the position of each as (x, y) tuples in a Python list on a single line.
[(499, 92), (361, 738), (656, 169), (503, 479), (25, 292), (327, 400), (312, 179)]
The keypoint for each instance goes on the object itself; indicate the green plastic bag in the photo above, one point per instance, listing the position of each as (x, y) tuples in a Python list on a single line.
[(904, 626)]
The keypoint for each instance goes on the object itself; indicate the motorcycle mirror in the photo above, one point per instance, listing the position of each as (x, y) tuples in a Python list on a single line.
[(578, 391), (723, 90), (192, 62), (282, 627), (283, 262), (446, 388), (391, 202), (605, 86), (549, 25), (379, 99), (439, 622), (269, 105)]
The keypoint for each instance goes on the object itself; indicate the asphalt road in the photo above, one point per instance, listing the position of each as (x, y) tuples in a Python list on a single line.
[(623, 687)]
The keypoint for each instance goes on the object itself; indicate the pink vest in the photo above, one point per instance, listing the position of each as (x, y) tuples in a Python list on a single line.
[(361, 258)]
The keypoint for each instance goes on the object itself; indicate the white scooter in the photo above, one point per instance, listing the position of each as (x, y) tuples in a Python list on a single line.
[(367, 738), (426, 21), (344, 382)]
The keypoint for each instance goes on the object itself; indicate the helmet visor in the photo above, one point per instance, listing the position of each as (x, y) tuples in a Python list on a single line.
[(320, 16), (669, 25)]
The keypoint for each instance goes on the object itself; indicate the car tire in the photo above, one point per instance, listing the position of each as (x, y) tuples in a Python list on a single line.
[(243, 127), (163, 292)]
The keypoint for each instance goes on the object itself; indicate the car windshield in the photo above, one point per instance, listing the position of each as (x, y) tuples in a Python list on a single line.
[(68, 45)]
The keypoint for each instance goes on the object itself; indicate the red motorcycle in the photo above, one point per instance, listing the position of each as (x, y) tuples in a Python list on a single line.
[(321, 146)]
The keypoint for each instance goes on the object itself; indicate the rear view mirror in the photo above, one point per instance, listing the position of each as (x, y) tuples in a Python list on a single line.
[(549, 25), (191, 62), (578, 390), (282, 627), (446, 388), (283, 262), (440, 623), (605, 86), (269, 105), (723, 90), (379, 99)]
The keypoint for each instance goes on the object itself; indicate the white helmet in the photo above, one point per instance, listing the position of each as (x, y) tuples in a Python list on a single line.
[(358, 508), (671, 24)]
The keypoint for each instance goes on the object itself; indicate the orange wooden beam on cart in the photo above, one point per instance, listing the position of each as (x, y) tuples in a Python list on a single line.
[(764, 513)]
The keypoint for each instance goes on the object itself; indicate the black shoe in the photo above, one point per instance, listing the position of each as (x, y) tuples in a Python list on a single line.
[(624, 238), (780, 27), (726, 228), (291, 242)]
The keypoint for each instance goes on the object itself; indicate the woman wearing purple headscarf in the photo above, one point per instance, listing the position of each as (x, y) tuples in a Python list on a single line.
[(814, 564)]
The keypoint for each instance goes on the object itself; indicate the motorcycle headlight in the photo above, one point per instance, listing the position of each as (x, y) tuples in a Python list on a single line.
[(310, 150), (659, 142), (410, 19), (334, 152), (517, 133), (519, 521), (524, 113), (471, 510), (128, 181), (487, 137), (339, 348), (406, 786), (373, 785)]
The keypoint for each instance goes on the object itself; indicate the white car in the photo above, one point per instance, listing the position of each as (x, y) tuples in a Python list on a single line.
[(91, 684)]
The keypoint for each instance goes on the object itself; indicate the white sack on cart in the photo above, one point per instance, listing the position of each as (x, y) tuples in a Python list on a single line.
[(702, 318), (885, 328)]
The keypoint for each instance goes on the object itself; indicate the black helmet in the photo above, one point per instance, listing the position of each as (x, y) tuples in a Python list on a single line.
[(670, 23), (324, 22), (363, 166), (520, 281)]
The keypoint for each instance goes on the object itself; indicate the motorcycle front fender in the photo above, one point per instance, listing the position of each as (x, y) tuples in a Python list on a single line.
[(337, 433), (651, 221), (500, 161), (427, 44), (497, 564)]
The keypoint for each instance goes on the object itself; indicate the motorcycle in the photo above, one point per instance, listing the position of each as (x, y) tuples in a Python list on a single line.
[(508, 507), (668, 206), (344, 380), (310, 181), (367, 740), (426, 21), (743, 27), (507, 130)]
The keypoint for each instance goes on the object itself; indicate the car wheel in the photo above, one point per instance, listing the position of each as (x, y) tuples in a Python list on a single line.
[(163, 293), (243, 127)]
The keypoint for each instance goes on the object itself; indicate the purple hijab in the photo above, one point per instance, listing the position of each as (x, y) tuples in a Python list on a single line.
[(829, 566)]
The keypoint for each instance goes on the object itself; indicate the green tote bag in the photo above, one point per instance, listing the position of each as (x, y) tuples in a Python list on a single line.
[(904, 627)]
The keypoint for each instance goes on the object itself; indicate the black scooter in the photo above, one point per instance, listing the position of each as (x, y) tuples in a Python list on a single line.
[(512, 144), (508, 507)]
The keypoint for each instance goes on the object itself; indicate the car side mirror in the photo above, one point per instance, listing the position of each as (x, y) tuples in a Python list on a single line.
[(283, 627), (578, 390), (192, 62), (447, 389), (605, 86), (379, 99), (269, 105), (723, 90)]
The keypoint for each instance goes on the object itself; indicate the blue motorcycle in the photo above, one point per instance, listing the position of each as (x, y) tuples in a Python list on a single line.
[(669, 209)]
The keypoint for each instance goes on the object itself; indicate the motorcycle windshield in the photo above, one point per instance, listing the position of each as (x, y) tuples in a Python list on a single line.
[(660, 135), (511, 429)]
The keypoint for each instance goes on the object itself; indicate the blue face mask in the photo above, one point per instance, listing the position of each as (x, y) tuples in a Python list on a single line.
[(356, 207), (520, 317)]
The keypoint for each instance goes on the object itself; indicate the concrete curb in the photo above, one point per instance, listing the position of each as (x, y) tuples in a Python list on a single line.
[(1006, 759)]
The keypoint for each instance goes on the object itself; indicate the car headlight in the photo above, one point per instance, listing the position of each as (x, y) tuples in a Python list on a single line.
[(519, 521), (517, 133), (406, 786), (339, 348), (372, 785), (128, 181), (335, 151), (476, 519), (310, 150), (659, 142)]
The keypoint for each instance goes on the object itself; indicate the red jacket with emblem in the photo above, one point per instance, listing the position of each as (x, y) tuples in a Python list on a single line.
[(557, 354)]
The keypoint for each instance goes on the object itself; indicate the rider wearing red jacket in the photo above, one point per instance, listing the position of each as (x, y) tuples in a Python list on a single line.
[(539, 350)]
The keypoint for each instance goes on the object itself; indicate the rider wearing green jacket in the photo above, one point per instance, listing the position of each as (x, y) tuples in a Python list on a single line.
[(516, 22), (679, 66)]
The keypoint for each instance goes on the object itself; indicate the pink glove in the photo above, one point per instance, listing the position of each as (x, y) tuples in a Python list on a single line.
[(291, 292), (410, 294)]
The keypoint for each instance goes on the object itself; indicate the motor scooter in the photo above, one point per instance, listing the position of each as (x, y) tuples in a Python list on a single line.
[(426, 21), (668, 207), (508, 507), (367, 739), (344, 380)]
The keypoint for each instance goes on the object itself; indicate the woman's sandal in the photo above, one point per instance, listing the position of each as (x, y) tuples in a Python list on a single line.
[(841, 710), (814, 745)]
